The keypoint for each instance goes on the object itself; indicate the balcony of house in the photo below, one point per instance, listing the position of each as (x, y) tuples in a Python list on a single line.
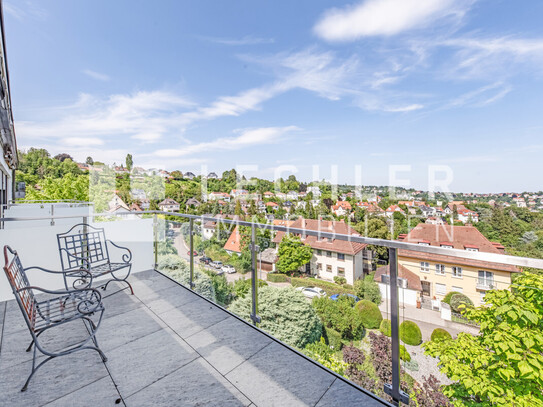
[(166, 346), (195, 334)]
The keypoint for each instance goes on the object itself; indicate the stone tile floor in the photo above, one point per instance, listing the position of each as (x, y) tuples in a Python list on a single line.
[(166, 346)]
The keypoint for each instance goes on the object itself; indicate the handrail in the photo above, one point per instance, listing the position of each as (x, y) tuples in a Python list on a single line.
[(495, 258)]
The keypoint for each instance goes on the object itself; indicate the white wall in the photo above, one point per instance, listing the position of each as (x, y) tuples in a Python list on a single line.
[(37, 246)]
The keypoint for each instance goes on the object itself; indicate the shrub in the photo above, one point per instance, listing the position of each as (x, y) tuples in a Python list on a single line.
[(385, 327), (322, 353), (447, 298), (347, 286), (178, 269), (404, 354), (333, 339), (368, 289), (285, 314), (369, 313), (340, 316), (459, 302), (439, 334), (340, 280), (223, 291), (410, 333), (276, 278)]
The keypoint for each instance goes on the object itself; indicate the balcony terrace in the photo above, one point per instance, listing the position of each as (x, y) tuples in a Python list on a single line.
[(167, 346)]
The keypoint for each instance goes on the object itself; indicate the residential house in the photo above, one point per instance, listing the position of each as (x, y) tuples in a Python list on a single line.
[(164, 174), (189, 175), (233, 244), (192, 203), (145, 204), (315, 191), (169, 205), (467, 216), (215, 196), (212, 175), (393, 209), (432, 220), (116, 201), (341, 208), (292, 195), (280, 195), (440, 274), (138, 194), (266, 260), (134, 207), (272, 205), (333, 257), (268, 194), (239, 193)]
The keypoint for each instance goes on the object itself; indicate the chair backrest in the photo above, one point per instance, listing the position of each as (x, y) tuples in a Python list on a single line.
[(83, 241), (18, 280)]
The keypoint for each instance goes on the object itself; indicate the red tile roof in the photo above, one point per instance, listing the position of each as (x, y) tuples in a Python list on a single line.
[(458, 237), (233, 244), (325, 226)]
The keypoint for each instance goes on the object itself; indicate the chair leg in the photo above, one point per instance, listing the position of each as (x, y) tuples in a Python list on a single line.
[(34, 370), (32, 343)]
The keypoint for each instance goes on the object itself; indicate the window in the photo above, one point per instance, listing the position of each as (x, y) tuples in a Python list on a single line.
[(457, 289), (328, 254), (341, 256), (340, 271), (440, 269), (486, 279), (424, 267), (319, 252), (328, 268), (446, 246), (457, 272), (441, 289), (319, 266), (472, 249)]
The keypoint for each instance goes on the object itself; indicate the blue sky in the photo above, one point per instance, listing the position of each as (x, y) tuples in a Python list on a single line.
[(280, 87)]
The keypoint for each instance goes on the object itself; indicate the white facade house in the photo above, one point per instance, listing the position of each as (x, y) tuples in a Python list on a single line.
[(169, 205), (292, 195), (8, 159), (315, 191)]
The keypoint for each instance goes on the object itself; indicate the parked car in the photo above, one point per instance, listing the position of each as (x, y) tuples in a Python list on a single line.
[(227, 268), (205, 260), (216, 264), (311, 292), (195, 253), (336, 297)]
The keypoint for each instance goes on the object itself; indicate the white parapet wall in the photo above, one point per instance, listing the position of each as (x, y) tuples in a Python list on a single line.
[(36, 243)]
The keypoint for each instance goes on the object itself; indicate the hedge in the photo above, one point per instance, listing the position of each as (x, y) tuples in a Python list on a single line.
[(410, 333), (447, 298), (385, 327), (459, 299), (340, 316), (439, 334), (330, 288), (277, 278), (369, 313), (340, 280)]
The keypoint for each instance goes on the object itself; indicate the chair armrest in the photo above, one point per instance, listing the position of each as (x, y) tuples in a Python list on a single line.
[(83, 273), (127, 257), (90, 299)]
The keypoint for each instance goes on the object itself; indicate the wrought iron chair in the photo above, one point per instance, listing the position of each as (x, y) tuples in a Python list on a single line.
[(58, 308), (84, 249)]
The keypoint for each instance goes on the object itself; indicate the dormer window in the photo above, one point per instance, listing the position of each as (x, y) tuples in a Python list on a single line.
[(446, 246), (471, 248)]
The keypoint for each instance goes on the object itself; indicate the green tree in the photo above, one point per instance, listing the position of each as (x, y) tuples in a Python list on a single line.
[(368, 289), (293, 254), (503, 364), (89, 161), (237, 209), (129, 162)]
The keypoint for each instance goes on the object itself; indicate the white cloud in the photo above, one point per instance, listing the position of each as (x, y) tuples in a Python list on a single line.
[(25, 10), (96, 75), (82, 141), (246, 138), (385, 17), (246, 40), (482, 96), (147, 137)]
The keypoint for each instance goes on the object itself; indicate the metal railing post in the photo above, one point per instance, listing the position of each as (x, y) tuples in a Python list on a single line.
[(52, 215), (155, 238), (393, 389), (191, 244), (254, 278)]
